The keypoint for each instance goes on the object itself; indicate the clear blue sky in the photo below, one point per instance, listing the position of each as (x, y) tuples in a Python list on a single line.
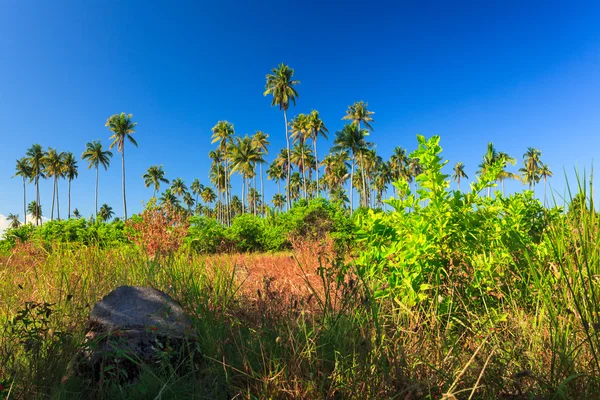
[(515, 73)]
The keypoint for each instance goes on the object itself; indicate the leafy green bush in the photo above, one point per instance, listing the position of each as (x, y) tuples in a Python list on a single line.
[(246, 232), (205, 235)]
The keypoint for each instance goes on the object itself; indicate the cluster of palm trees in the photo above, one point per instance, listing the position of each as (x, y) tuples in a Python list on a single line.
[(40, 163), (352, 160)]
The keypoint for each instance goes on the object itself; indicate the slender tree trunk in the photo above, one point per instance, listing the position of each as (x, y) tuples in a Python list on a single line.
[(53, 196), (24, 203), (544, 191), (364, 186), (458, 181), (37, 199), (57, 203), (69, 190), (262, 185), (317, 165), (279, 186), (96, 191), (243, 196), (123, 173), (502, 187), (351, 185), (227, 200), (303, 172), (287, 139)]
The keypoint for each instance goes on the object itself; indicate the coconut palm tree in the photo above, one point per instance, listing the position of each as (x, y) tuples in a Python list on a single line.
[(459, 173), (281, 86), (298, 157), (352, 140), (70, 172), (96, 156), (218, 178), (336, 166), (35, 210), (244, 154), (275, 173), (196, 187), (35, 158), (23, 170), (105, 213), (76, 213), (545, 173), (14, 221), (154, 176), (178, 187), (261, 141), (189, 201), (299, 133), (208, 195), (53, 167), (168, 198), (531, 168), (223, 133), (278, 201), (122, 128), (316, 127)]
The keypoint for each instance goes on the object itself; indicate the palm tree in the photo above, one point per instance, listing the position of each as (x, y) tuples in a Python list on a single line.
[(490, 158), (76, 213), (261, 141), (71, 172), (275, 173), (298, 157), (122, 128), (189, 201), (299, 133), (169, 198), (278, 201), (459, 173), (244, 154), (106, 213), (154, 176), (35, 210), (531, 169), (23, 170), (178, 187), (399, 164), (281, 86), (53, 167), (545, 173), (217, 176), (208, 195), (316, 127), (353, 141), (95, 155), (223, 133), (14, 221), (35, 158), (336, 167), (196, 187)]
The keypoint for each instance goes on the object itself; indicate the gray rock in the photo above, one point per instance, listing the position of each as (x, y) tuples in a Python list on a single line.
[(134, 326)]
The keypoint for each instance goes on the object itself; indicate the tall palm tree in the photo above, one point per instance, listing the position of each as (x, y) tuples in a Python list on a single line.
[(106, 213), (336, 166), (352, 140), (359, 114), (275, 173), (14, 221), (53, 167), (96, 156), (23, 170), (223, 133), (281, 86), (196, 187), (178, 187), (154, 176), (35, 157), (399, 165), (299, 133), (278, 201), (208, 195), (168, 198), (122, 128), (459, 173), (316, 127), (545, 173), (76, 213), (261, 142), (35, 210), (244, 154), (189, 201), (490, 158), (217, 177), (71, 172), (298, 157), (531, 169)]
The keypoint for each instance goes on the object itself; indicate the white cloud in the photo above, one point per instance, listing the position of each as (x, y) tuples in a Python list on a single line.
[(3, 224)]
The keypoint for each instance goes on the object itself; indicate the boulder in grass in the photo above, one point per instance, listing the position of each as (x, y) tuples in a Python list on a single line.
[(132, 327)]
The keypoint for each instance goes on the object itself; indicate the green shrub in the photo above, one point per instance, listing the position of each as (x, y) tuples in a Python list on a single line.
[(205, 235), (246, 233)]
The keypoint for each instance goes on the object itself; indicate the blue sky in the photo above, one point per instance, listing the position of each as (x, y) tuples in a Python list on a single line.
[(518, 74)]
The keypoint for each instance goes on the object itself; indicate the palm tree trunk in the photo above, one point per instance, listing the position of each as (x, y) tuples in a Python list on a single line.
[(69, 209), (243, 196), (317, 165), (287, 139), (24, 203), (37, 199), (502, 187), (96, 190), (544, 191), (303, 172), (123, 173), (227, 199), (57, 203), (458, 181), (53, 195), (279, 186), (364, 186), (262, 184), (351, 185)]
